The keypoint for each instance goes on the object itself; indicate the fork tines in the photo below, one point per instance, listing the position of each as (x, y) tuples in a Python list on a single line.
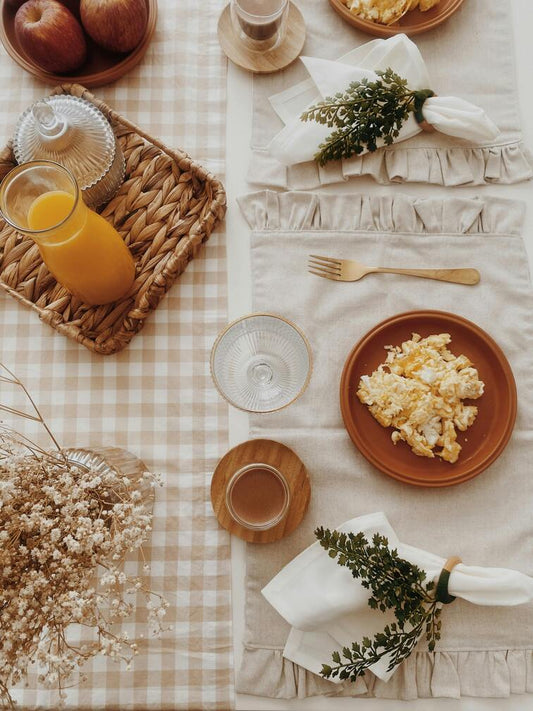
[(326, 267)]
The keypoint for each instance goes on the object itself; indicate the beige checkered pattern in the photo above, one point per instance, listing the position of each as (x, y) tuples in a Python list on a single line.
[(155, 398)]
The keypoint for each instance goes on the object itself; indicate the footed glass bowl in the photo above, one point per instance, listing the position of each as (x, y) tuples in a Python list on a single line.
[(261, 363)]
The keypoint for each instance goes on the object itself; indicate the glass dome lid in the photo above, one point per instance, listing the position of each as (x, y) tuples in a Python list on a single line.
[(70, 131)]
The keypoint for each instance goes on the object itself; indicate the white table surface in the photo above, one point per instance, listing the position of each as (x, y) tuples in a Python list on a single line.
[(238, 140)]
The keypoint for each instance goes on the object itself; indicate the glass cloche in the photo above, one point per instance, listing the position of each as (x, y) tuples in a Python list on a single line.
[(73, 132)]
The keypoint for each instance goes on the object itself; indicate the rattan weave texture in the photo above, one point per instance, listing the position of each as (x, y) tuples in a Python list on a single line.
[(165, 209)]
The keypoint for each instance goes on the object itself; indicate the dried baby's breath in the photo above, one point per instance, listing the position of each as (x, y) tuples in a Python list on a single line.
[(65, 531)]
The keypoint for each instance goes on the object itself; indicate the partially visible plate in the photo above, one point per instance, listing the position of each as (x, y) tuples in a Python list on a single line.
[(412, 23), (102, 67), (482, 443)]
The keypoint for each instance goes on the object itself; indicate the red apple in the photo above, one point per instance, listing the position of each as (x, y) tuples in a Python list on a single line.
[(117, 25), (50, 35)]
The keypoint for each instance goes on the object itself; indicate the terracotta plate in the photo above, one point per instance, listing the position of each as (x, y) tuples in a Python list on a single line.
[(482, 443), (412, 23), (101, 67)]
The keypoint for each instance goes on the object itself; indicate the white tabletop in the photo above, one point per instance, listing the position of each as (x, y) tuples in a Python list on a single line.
[(239, 280)]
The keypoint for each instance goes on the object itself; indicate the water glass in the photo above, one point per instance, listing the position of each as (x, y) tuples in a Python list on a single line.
[(261, 363)]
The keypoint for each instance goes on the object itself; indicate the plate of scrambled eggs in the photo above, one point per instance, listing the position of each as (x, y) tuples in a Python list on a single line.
[(429, 398), (384, 18)]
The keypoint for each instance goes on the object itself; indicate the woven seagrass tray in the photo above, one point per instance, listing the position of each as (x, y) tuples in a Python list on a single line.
[(164, 210)]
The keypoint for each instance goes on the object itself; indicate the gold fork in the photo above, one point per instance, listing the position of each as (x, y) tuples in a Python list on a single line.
[(350, 270)]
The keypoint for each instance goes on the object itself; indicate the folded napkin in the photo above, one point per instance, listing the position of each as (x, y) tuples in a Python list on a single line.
[(328, 609), (299, 141)]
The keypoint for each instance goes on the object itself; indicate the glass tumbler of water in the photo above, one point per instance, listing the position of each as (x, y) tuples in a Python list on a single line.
[(260, 24), (261, 363)]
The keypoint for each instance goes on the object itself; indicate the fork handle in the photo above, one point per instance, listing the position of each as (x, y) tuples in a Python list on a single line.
[(457, 276)]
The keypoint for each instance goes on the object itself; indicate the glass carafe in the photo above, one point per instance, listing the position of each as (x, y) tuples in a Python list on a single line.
[(83, 251)]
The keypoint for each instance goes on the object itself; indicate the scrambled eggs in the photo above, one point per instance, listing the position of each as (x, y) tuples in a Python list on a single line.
[(419, 390), (386, 12)]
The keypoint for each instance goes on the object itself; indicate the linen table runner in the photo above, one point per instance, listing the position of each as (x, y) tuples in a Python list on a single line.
[(487, 520), (155, 398), (470, 56)]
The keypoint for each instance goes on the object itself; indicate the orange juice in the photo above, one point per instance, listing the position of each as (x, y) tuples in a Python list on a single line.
[(84, 252)]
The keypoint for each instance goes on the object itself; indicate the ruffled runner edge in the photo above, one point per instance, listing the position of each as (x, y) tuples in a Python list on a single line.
[(267, 210), (492, 673), (452, 167)]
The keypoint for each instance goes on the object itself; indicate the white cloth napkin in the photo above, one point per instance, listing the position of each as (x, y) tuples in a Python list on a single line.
[(299, 141), (328, 608)]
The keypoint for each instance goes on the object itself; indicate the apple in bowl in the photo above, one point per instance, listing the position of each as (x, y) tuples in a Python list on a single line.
[(50, 35), (116, 25)]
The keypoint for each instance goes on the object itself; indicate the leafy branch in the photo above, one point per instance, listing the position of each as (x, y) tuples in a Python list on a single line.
[(395, 584), (365, 113)]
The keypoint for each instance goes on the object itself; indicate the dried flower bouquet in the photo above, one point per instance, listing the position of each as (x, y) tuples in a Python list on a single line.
[(65, 531)]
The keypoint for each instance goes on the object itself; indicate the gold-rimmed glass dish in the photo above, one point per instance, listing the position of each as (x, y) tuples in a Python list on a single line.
[(261, 363)]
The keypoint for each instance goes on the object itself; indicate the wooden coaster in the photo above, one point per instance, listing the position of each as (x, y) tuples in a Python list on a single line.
[(279, 456), (263, 62)]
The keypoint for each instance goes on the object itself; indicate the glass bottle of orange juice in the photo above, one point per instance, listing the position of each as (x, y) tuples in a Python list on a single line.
[(83, 251)]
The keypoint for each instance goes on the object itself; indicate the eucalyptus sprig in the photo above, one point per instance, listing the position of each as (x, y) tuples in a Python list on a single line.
[(366, 112), (395, 584)]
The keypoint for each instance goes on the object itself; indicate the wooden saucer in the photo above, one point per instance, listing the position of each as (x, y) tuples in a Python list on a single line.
[(263, 62), (265, 451)]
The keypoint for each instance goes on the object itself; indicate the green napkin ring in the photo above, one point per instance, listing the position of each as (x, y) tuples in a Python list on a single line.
[(419, 100), (442, 594)]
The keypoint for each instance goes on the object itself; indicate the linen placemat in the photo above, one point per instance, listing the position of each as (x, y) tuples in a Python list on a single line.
[(155, 398), (470, 56), (487, 520)]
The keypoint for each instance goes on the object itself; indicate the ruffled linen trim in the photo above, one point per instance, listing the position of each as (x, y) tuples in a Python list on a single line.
[(493, 673), (299, 211), (511, 163)]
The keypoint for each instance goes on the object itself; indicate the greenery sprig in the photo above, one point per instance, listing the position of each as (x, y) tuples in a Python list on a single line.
[(395, 584), (366, 112)]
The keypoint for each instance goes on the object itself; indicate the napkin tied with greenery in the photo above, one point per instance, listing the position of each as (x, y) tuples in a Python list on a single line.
[(367, 112), (395, 584), (366, 601), (385, 96)]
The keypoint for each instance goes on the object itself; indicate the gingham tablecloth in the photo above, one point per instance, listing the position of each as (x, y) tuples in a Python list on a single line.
[(155, 398)]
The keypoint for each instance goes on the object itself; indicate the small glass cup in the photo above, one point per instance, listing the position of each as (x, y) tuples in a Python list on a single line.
[(259, 24), (258, 497), (84, 252), (261, 363)]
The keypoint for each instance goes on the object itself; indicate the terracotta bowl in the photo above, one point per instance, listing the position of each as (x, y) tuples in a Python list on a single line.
[(102, 67), (482, 443), (412, 23)]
